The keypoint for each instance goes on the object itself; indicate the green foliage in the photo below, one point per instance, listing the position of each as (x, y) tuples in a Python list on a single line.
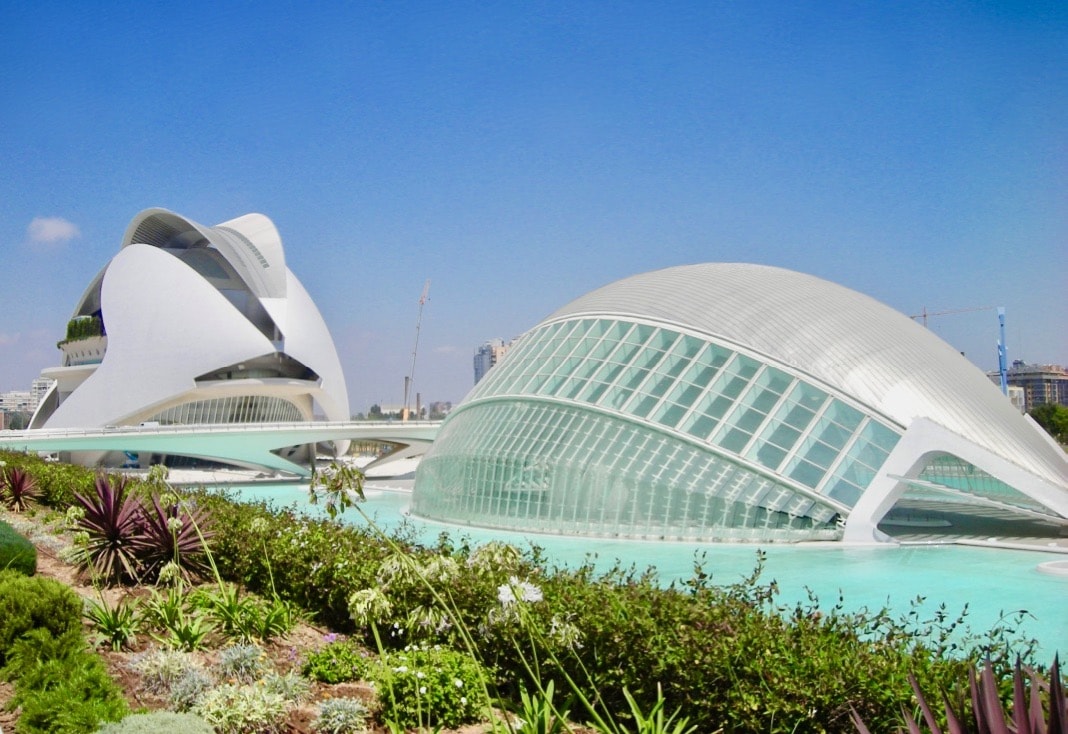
[(290, 686), (30, 603), (655, 722), (115, 625), (17, 553), (341, 716), (539, 715), (324, 562), (56, 482), (425, 687), (59, 685), (1054, 418), (155, 722), (337, 662), (84, 327), (237, 709), (183, 626), (246, 618)]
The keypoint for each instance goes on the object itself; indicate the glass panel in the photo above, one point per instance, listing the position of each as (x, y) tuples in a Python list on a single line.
[(845, 492), (748, 420), (768, 455), (807, 474), (782, 435), (735, 440), (797, 416), (819, 453), (774, 380), (663, 340), (831, 433), (845, 416), (669, 414)]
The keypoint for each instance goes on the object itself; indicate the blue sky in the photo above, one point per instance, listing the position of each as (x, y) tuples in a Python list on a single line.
[(522, 154)]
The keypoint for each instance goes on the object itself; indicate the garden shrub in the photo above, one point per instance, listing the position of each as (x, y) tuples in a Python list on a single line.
[(189, 689), (161, 668), (60, 685), (427, 687), (29, 603), (337, 662), (56, 482), (235, 709), (155, 722), (243, 663), (730, 657), (316, 564), (291, 686), (341, 716), (17, 553)]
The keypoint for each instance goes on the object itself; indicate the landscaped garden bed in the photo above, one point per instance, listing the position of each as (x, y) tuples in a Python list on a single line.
[(262, 619)]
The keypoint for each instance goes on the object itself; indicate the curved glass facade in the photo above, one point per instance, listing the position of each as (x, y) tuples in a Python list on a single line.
[(619, 427)]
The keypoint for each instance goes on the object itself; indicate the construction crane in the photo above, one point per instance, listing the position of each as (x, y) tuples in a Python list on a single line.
[(1002, 352), (409, 380), (925, 313)]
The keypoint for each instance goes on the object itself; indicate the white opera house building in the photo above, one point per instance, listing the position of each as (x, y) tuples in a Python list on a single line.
[(190, 324)]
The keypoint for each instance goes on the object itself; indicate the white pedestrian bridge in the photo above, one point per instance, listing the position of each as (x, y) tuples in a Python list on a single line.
[(243, 444)]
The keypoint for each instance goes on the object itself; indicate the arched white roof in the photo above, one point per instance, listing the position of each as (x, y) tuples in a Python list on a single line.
[(850, 342), (250, 243)]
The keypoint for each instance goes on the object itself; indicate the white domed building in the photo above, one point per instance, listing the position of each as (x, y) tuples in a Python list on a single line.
[(738, 402), (190, 324)]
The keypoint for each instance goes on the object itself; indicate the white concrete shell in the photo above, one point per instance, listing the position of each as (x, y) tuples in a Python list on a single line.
[(194, 314)]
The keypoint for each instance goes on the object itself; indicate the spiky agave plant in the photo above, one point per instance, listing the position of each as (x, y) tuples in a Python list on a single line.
[(17, 488), (174, 533), (987, 711), (113, 522)]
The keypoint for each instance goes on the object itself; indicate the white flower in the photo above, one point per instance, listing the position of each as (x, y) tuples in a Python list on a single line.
[(420, 674), (457, 682), (422, 689), (529, 592), (515, 590), (505, 595)]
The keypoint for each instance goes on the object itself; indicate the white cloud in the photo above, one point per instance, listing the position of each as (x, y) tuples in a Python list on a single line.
[(52, 230)]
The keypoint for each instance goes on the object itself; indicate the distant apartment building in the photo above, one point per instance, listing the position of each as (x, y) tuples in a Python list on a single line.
[(22, 403), (16, 401), (1017, 396), (39, 388), (488, 355), (1040, 383)]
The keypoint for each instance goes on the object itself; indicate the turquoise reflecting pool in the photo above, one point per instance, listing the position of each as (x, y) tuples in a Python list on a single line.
[(992, 582)]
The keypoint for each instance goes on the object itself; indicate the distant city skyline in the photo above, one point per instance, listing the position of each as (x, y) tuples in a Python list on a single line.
[(522, 156)]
